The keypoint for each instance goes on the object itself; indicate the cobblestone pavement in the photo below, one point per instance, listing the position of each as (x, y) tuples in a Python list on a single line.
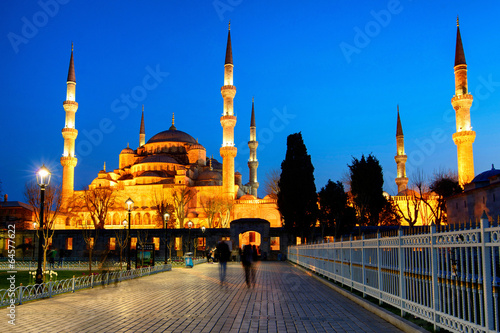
[(284, 299)]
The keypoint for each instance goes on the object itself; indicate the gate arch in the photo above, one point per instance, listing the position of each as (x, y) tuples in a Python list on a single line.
[(259, 225)]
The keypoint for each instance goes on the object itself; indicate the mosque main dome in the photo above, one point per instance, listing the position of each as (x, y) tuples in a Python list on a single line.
[(172, 135)]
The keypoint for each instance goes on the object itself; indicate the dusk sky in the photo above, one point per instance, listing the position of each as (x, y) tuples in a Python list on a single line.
[(334, 70)]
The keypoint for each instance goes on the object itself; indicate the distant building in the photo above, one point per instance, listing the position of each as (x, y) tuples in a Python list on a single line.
[(482, 194)]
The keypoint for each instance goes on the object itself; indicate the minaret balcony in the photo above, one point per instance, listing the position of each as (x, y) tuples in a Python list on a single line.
[(464, 137), (69, 161), (466, 99), (228, 121), (228, 91), (69, 133), (70, 106)]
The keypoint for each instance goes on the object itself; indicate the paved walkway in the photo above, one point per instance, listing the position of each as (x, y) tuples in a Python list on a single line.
[(284, 299)]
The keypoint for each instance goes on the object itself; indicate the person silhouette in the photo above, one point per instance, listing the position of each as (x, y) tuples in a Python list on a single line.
[(223, 254)]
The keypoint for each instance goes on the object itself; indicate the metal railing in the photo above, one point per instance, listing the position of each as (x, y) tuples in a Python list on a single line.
[(449, 278), (22, 294)]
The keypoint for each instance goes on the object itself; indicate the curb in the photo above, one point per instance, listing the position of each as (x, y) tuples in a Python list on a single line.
[(401, 323)]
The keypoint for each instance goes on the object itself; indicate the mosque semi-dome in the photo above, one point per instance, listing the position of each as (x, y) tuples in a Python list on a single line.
[(127, 151)]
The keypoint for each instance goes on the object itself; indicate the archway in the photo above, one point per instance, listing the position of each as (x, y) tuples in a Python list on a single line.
[(258, 227)]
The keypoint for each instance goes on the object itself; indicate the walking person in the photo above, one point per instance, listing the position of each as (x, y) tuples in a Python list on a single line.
[(246, 260), (223, 254)]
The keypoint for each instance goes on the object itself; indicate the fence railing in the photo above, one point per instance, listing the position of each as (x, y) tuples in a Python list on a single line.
[(22, 294), (448, 278), (80, 264)]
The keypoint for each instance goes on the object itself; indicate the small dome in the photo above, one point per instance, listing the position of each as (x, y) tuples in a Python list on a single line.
[(209, 175), (270, 197), (197, 146), (172, 135), (485, 176), (160, 158), (127, 151), (237, 173), (407, 192), (248, 197)]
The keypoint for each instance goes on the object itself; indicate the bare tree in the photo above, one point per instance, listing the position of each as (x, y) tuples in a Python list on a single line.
[(181, 197), (121, 237), (212, 206), (51, 208), (142, 239), (443, 184), (271, 181), (413, 198), (226, 211), (163, 202), (97, 201)]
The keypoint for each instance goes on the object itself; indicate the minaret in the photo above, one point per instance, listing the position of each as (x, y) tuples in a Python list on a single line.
[(69, 133), (400, 157), (462, 101), (253, 163), (142, 131), (228, 121)]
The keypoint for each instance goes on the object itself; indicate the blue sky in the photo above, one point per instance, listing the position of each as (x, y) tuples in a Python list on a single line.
[(334, 70)]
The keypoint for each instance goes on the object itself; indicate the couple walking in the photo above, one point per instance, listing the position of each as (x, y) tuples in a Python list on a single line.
[(248, 256)]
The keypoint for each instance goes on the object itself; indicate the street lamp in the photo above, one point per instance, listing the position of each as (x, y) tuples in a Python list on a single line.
[(43, 180), (130, 206), (166, 218), (34, 240), (190, 225), (205, 240)]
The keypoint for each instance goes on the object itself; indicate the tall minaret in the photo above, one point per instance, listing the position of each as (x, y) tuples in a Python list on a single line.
[(228, 121), (69, 133), (253, 163), (400, 157), (142, 131), (462, 101)]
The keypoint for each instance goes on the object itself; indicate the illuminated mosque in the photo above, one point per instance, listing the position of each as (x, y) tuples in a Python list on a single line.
[(168, 161)]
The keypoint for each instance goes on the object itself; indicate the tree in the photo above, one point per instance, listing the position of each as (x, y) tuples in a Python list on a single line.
[(367, 181), (121, 237), (212, 206), (271, 181), (181, 197), (97, 201), (297, 197), (227, 205), (389, 214), (51, 208), (443, 184), (413, 199), (335, 214), (163, 204)]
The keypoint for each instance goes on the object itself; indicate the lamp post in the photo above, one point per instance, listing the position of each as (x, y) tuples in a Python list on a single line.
[(124, 223), (43, 180), (190, 225), (205, 240), (34, 240), (130, 205), (166, 218)]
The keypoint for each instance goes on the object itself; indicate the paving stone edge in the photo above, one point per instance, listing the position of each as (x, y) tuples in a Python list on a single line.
[(397, 321)]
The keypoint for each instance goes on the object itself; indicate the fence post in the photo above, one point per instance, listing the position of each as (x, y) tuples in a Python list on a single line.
[(350, 262), (50, 289), (434, 272), (402, 289), (20, 299), (486, 263), (73, 284), (92, 280), (363, 273), (379, 269)]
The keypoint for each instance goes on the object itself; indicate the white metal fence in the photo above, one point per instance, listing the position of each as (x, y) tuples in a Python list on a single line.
[(448, 277)]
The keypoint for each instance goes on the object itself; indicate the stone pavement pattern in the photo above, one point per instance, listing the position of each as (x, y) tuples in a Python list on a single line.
[(284, 299)]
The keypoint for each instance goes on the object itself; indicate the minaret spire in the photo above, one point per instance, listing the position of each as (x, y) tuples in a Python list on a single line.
[(462, 101), (142, 130), (69, 133), (253, 163), (401, 180), (172, 128), (228, 120), (229, 50)]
